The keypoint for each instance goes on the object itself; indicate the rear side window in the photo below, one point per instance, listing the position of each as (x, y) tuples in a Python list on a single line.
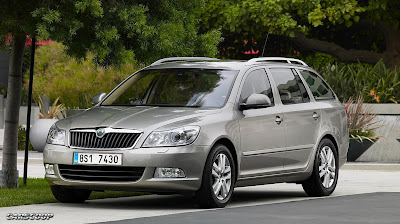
[(257, 82), (290, 87), (318, 87)]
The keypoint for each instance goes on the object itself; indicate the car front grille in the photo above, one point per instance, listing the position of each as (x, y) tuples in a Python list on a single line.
[(101, 173), (89, 140)]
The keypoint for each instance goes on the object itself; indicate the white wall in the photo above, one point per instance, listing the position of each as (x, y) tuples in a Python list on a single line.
[(22, 115)]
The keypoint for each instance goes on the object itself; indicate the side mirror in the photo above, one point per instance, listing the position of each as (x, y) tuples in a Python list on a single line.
[(255, 101), (98, 98)]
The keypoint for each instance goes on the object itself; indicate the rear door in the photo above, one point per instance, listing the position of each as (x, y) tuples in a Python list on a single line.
[(301, 118), (333, 117), (262, 138)]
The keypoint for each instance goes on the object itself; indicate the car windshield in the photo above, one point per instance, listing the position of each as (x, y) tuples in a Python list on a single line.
[(175, 88)]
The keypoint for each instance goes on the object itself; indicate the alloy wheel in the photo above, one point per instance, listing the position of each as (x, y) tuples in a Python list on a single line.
[(327, 167), (222, 177)]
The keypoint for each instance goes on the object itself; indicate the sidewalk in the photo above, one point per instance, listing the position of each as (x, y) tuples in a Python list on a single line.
[(35, 163), (371, 166), (34, 157)]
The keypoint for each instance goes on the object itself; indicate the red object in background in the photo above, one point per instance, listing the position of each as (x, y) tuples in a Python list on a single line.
[(39, 42), (29, 41), (251, 51)]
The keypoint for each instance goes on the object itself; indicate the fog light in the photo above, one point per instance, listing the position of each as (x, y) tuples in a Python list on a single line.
[(49, 169), (169, 173)]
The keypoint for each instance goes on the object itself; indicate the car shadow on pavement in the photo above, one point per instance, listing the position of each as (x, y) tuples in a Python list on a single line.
[(248, 196), (179, 202), (171, 202)]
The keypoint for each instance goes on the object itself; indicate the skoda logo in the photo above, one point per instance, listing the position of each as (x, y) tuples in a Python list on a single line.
[(100, 132)]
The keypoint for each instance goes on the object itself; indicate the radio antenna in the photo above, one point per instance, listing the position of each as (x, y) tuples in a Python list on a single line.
[(266, 39)]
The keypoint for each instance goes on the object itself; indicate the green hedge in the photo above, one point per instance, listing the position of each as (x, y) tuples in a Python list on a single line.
[(75, 82), (376, 84)]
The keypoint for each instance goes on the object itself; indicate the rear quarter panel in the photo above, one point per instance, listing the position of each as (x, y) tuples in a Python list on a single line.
[(334, 122)]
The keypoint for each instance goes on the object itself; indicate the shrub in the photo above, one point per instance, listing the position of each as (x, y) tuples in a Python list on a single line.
[(56, 110), (376, 84), (362, 122), (75, 82)]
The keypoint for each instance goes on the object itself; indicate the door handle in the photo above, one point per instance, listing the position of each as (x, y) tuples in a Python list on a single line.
[(315, 116), (278, 120)]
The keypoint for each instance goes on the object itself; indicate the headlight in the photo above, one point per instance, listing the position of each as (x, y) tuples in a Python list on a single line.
[(56, 136), (175, 137)]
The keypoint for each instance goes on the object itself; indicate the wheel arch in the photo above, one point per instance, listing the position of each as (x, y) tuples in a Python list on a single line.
[(312, 158), (330, 137), (231, 147)]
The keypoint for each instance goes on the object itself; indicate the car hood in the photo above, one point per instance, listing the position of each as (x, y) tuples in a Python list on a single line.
[(137, 118)]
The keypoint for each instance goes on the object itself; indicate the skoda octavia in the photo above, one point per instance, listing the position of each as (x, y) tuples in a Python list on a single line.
[(203, 126)]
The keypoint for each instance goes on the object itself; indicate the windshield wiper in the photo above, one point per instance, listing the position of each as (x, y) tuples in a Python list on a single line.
[(153, 105), (168, 105), (121, 105)]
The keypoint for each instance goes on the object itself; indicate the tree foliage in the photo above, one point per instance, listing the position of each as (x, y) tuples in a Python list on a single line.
[(114, 31), (352, 30), (279, 17)]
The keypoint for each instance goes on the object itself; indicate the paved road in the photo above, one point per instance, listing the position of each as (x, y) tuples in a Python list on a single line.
[(362, 209), (354, 179)]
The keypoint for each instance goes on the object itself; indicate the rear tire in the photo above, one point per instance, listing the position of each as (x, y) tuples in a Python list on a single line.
[(69, 195), (218, 179), (325, 173)]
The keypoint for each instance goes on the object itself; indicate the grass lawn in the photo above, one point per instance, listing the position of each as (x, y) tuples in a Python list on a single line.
[(38, 191)]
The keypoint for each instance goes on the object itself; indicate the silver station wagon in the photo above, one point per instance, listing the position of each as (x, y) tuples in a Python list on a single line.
[(202, 126)]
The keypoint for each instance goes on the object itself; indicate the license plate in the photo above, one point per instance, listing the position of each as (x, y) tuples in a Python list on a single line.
[(98, 158)]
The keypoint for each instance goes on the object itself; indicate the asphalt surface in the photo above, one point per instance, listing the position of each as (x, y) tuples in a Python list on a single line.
[(354, 179), (364, 208)]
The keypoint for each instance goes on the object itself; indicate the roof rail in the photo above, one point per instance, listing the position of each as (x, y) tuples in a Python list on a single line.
[(283, 59), (178, 59)]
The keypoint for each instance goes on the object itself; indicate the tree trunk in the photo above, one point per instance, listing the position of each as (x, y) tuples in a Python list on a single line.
[(391, 55), (337, 50), (9, 172), (392, 52)]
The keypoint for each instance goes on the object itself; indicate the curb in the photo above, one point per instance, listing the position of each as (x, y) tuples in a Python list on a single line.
[(372, 166)]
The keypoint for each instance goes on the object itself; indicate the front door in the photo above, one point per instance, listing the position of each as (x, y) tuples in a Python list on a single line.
[(262, 137)]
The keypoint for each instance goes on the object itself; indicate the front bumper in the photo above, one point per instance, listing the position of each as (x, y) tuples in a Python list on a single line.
[(190, 158)]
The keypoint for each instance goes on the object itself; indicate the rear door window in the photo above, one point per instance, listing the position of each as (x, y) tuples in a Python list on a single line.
[(291, 88)]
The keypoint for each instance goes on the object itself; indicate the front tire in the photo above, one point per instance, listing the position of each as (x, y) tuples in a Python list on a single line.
[(218, 179), (325, 173), (69, 195)]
